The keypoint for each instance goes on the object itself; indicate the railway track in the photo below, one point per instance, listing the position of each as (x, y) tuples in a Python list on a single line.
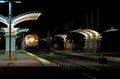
[(74, 66), (66, 64)]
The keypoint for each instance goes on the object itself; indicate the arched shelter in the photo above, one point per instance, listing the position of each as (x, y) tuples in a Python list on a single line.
[(67, 44), (92, 39), (63, 36)]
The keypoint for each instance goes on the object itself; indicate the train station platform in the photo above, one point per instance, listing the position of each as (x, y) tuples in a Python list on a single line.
[(24, 58), (27, 65)]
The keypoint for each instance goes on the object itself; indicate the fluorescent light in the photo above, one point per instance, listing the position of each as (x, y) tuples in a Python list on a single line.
[(3, 1), (17, 2)]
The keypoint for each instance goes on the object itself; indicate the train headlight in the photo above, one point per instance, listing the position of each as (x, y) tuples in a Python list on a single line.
[(32, 39)]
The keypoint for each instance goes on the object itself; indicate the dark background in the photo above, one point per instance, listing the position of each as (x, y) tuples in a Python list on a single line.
[(56, 14), (63, 16)]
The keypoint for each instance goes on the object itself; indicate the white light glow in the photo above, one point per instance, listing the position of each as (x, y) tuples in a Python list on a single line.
[(12, 29), (111, 30), (3, 1), (78, 30), (86, 35), (36, 40), (90, 34), (96, 34), (16, 20), (64, 36), (32, 39), (17, 2), (26, 17), (22, 30), (3, 20)]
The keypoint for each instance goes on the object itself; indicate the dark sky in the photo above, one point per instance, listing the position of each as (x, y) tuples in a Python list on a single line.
[(55, 16)]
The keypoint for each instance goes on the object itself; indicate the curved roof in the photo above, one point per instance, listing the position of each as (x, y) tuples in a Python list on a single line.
[(3, 20), (20, 18), (95, 33), (111, 30), (88, 33), (25, 17), (22, 30), (64, 36), (85, 34)]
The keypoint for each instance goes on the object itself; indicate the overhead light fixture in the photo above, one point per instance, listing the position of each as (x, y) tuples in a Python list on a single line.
[(3, 1), (17, 1)]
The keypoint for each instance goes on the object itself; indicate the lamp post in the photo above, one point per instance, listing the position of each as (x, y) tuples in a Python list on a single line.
[(9, 22), (10, 15), (103, 59)]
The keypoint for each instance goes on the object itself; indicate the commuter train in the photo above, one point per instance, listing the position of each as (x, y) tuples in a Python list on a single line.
[(30, 42)]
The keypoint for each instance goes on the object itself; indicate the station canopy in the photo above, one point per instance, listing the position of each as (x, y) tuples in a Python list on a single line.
[(63, 36), (88, 33), (20, 18)]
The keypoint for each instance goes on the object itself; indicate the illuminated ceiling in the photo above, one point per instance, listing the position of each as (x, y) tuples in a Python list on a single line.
[(64, 36), (88, 33), (20, 18)]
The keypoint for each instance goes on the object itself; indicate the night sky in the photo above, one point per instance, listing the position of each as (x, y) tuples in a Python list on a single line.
[(61, 17)]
